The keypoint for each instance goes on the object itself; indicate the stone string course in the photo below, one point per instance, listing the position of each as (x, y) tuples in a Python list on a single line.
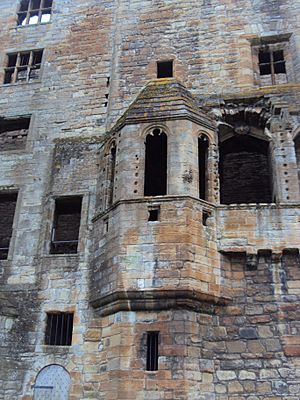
[(223, 295)]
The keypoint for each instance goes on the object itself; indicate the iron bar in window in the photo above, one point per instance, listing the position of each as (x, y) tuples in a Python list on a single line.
[(59, 329)]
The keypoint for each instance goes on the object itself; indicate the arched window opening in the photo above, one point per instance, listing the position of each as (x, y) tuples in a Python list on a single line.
[(203, 144), (297, 149), (156, 164), (111, 174), (52, 382), (245, 173)]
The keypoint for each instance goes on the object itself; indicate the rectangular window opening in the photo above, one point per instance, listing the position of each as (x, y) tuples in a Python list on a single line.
[(152, 351), (23, 66), (153, 214), (13, 133), (271, 62), (33, 12), (8, 201), (59, 328), (164, 69), (65, 231)]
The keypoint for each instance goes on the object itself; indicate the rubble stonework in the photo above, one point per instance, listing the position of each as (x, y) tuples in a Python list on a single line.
[(217, 272)]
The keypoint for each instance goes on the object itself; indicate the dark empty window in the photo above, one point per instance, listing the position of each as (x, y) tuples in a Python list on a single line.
[(7, 211), (32, 12), (202, 161), (66, 225), (156, 164), (13, 133), (271, 63), (153, 214), (59, 329), (152, 351), (297, 149), (164, 69), (23, 66), (205, 216), (245, 174), (111, 168)]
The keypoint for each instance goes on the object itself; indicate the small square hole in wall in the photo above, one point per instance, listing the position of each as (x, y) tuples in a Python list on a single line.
[(205, 216), (164, 69), (153, 214)]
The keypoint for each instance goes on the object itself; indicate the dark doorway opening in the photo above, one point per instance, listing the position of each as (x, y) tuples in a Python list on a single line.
[(245, 173)]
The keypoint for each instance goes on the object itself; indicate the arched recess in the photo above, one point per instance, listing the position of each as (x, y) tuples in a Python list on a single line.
[(52, 383), (111, 171), (297, 150), (203, 146), (245, 171), (155, 181)]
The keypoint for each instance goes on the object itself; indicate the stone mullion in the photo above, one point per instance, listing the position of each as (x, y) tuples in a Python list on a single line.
[(15, 74)]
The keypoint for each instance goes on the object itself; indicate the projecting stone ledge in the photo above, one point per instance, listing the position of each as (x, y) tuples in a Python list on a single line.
[(157, 300)]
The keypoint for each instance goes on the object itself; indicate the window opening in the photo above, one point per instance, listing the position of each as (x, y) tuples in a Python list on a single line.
[(156, 164), (202, 164), (153, 214), (13, 133), (59, 329), (32, 12), (111, 174), (205, 216), (297, 149), (152, 351), (23, 67), (66, 225), (164, 69), (245, 173), (271, 63), (7, 211), (105, 225)]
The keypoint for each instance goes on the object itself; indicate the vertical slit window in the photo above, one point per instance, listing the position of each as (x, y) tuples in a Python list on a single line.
[(156, 164), (65, 231), (7, 211), (59, 329), (111, 174), (152, 351), (203, 144)]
